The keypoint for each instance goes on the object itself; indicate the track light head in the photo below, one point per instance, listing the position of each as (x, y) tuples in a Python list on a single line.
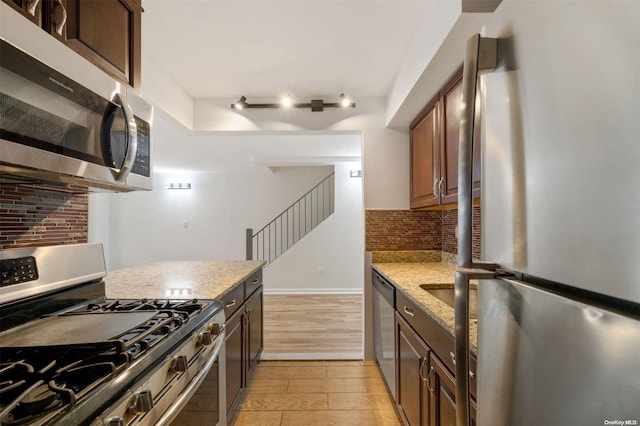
[(240, 104), (344, 101)]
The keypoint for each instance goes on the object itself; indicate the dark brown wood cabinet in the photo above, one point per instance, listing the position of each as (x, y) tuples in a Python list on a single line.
[(424, 171), (244, 335), (30, 9), (425, 384), (411, 365), (108, 33), (434, 168), (234, 362), (254, 327), (105, 32), (442, 400)]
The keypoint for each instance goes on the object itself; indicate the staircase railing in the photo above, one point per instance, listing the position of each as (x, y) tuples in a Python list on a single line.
[(293, 223)]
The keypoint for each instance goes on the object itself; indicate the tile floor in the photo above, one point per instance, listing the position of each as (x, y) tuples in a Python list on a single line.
[(298, 393)]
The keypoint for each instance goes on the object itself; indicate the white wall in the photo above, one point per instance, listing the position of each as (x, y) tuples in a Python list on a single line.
[(330, 258), (385, 151), (230, 193)]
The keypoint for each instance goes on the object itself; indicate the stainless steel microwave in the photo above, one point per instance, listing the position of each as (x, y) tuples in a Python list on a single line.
[(54, 129)]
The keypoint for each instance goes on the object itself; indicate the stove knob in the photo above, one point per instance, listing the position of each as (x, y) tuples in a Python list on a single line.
[(179, 364), (114, 421), (215, 329), (204, 338), (142, 402)]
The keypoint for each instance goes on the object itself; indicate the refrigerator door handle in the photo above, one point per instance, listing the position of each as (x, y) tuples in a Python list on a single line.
[(480, 55)]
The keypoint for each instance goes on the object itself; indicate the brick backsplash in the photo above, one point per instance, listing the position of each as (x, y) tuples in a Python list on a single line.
[(417, 230), (403, 230), (449, 239), (32, 217)]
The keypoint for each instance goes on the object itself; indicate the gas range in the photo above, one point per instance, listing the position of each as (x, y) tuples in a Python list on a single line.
[(69, 355)]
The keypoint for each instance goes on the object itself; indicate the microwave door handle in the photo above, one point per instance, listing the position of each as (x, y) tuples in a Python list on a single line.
[(480, 55), (132, 139)]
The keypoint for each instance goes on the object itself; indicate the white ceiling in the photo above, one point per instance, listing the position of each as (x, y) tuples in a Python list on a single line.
[(266, 49)]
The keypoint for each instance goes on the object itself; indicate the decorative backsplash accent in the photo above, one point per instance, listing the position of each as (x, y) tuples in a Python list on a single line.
[(398, 230), (33, 217), (392, 230), (449, 238)]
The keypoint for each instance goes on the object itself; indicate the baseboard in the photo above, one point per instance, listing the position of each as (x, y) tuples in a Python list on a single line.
[(312, 356), (313, 291)]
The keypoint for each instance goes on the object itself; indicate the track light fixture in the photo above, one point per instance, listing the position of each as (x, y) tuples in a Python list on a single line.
[(316, 105)]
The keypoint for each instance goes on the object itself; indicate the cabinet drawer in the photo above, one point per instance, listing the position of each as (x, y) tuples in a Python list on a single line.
[(233, 300), (253, 283)]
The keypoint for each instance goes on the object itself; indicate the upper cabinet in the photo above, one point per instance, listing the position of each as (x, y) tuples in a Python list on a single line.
[(435, 135), (31, 9), (106, 32), (425, 172)]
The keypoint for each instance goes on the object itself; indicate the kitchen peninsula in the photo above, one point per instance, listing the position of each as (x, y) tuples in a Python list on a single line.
[(238, 285), (180, 279)]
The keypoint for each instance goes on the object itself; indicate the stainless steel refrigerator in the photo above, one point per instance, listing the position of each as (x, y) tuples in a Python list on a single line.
[(559, 295)]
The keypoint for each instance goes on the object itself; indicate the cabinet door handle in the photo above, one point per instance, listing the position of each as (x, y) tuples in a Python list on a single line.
[(435, 188), (230, 304), (256, 281), (453, 358), (423, 362), (31, 7), (440, 185), (409, 311), (59, 16), (428, 382)]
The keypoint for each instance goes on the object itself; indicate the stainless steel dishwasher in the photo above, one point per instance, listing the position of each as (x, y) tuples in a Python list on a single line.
[(384, 329)]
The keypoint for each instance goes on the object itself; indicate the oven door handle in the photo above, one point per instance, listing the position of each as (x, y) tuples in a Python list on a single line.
[(186, 395)]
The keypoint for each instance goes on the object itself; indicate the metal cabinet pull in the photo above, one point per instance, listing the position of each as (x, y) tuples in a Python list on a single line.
[(423, 361), (31, 7), (230, 304), (453, 358), (256, 281), (409, 312), (440, 185), (431, 371), (435, 188), (59, 16)]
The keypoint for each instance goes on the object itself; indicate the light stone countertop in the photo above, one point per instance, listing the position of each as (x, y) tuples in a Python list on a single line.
[(179, 279), (408, 276)]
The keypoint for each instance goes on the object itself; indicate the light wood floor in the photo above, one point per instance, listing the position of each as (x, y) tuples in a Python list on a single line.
[(313, 327), (295, 393)]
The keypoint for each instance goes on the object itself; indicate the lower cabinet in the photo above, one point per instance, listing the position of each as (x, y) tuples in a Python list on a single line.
[(244, 336), (425, 386), (254, 329), (442, 387), (234, 364), (412, 362)]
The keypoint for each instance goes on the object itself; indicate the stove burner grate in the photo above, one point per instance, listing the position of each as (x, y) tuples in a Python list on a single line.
[(188, 307), (51, 381)]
